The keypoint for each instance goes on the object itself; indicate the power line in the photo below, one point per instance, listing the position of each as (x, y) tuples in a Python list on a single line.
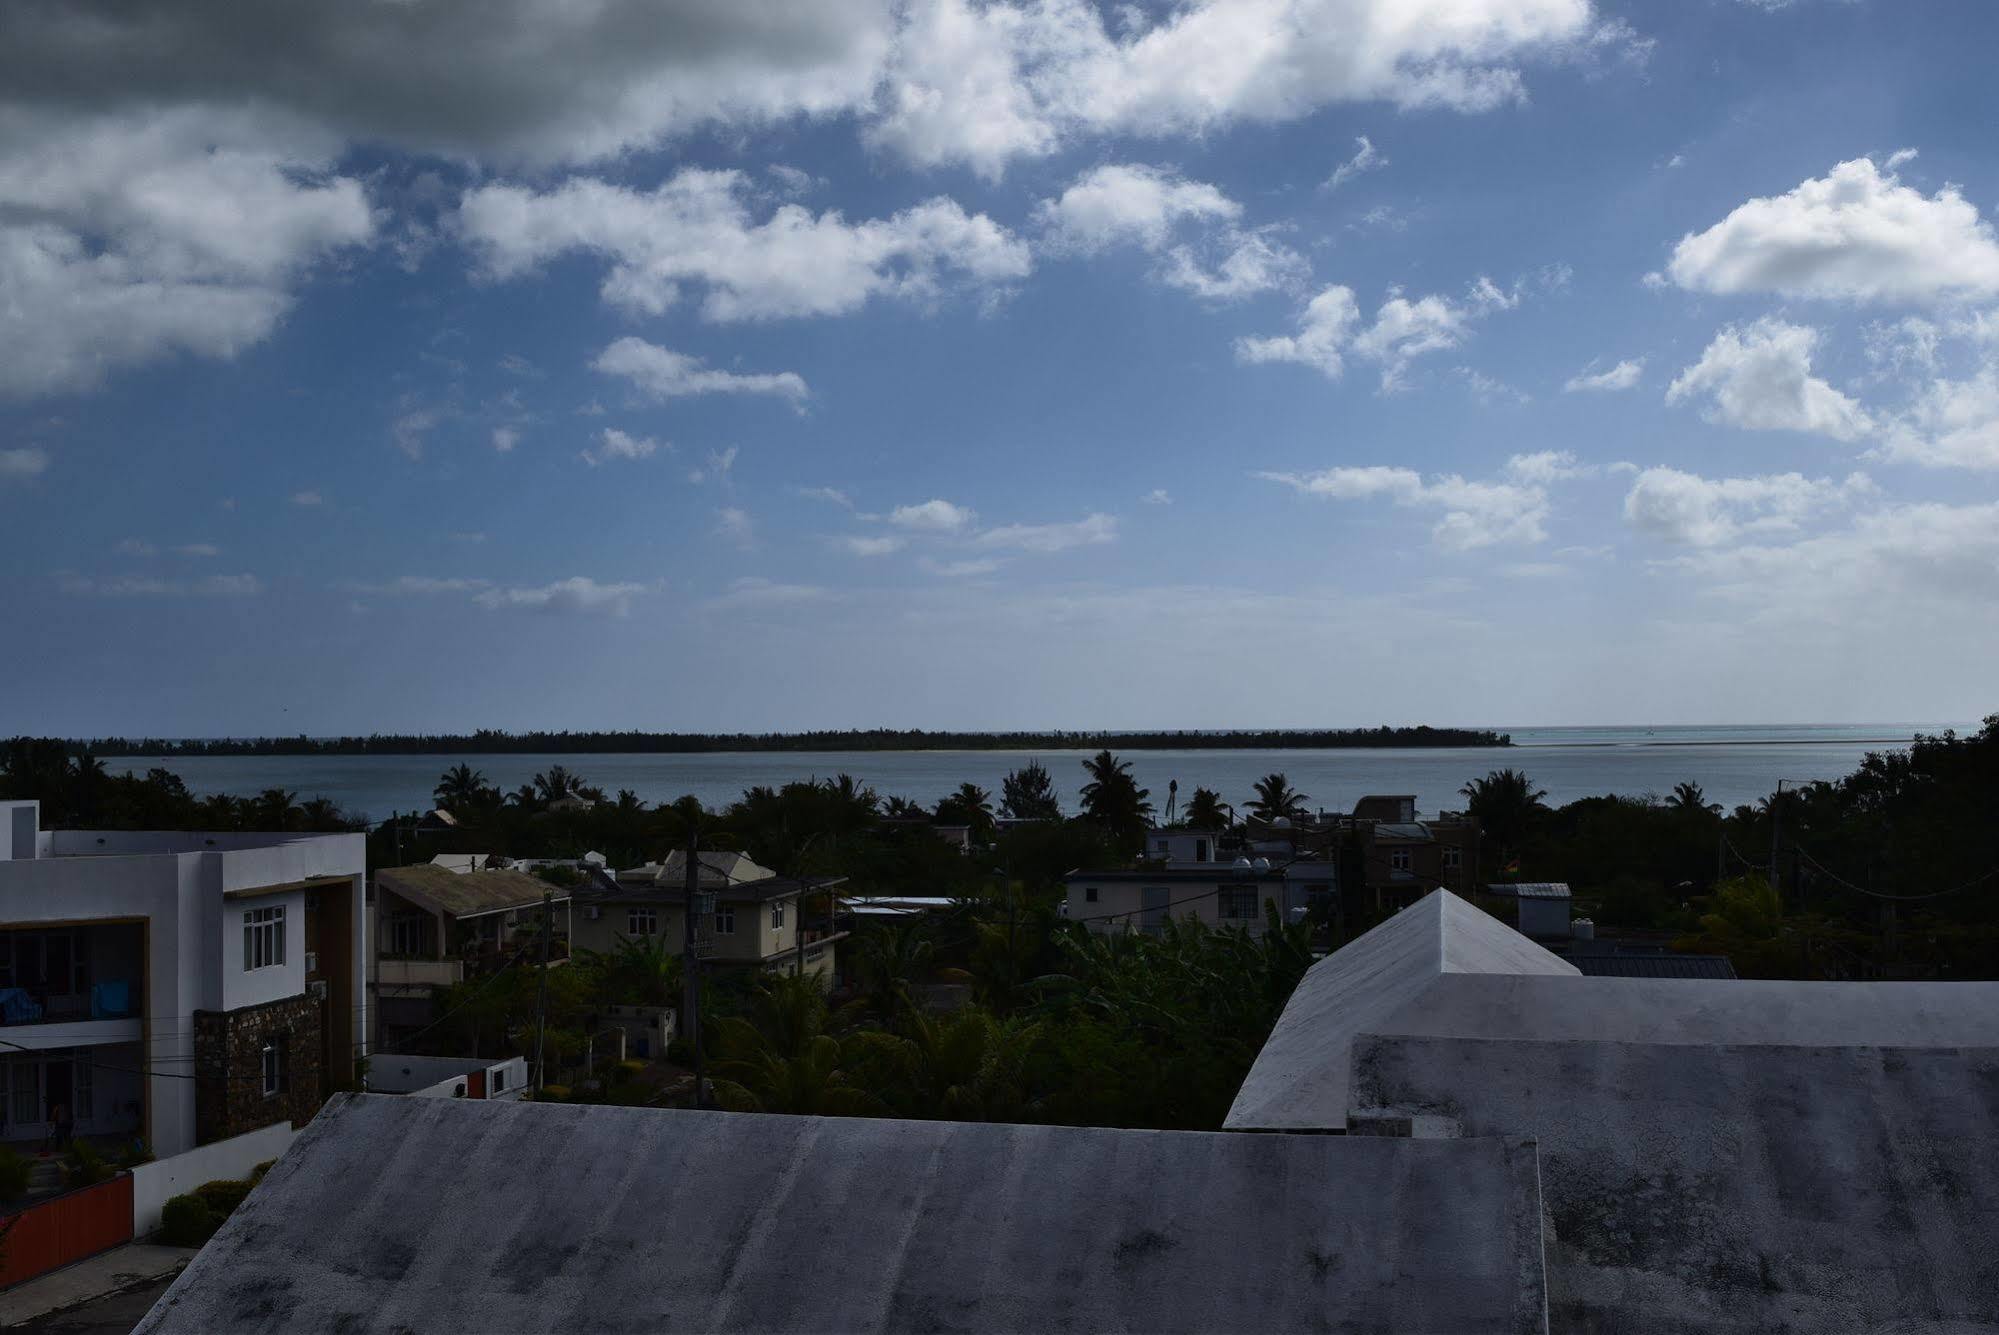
[(1877, 894)]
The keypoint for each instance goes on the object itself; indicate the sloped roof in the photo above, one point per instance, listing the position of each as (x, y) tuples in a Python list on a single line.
[(1709, 1187), (1299, 1080), (466, 894), (597, 1217), (1488, 981)]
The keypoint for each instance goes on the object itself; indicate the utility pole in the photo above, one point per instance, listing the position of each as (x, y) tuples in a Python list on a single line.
[(541, 992), (691, 965), (1776, 825)]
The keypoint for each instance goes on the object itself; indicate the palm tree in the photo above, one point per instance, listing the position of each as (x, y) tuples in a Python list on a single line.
[(276, 809), (458, 787), (557, 784), (888, 965), (1028, 794), (1204, 811), (1275, 797), (1690, 800), (780, 1059), (1506, 805), (1113, 799), (970, 805), (322, 815)]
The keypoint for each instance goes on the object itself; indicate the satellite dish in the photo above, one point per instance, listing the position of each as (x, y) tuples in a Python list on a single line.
[(1263, 864), (1242, 864), (1281, 823)]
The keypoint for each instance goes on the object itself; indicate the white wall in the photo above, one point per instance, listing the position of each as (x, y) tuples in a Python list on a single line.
[(153, 1184), (194, 940)]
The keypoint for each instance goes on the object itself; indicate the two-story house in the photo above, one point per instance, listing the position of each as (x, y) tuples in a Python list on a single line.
[(433, 925), (1232, 894), (747, 915), (180, 987)]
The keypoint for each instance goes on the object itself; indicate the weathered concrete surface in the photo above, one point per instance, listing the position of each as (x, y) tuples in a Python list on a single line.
[(435, 1215), (1299, 1080), (1452, 972), (1736, 1188)]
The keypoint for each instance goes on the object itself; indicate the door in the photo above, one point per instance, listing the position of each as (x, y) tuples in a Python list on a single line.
[(1153, 902), (58, 1086)]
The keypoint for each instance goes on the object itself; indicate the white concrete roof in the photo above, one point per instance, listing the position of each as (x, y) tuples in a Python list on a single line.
[(1704, 1187), (1457, 972), (443, 1215), (1299, 1080)]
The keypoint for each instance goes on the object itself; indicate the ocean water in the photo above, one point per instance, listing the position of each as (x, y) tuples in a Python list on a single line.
[(1733, 764)]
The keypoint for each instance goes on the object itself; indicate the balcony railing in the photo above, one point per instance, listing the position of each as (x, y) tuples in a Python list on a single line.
[(111, 1000), (419, 973)]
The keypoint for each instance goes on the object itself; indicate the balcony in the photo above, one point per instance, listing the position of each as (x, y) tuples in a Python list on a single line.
[(413, 973)]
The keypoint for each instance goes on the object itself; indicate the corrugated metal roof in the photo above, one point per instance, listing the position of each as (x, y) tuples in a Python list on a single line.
[(1529, 889), (1663, 965), (1704, 1187), (441, 1215)]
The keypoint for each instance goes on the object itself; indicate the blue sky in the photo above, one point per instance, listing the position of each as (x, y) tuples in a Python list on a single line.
[(437, 366)]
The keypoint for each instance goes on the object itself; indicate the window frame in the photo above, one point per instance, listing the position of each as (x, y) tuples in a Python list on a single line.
[(1400, 859), (725, 920), (777, 916), (264, 937), (273, 1072), (641, 920)]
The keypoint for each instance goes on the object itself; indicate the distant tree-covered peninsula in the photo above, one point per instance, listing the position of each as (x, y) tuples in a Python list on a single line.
[(491, 742)]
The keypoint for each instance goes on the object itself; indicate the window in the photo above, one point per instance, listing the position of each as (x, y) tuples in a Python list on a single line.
[(725, 921), (641, 921), (814, 954), (1089, 894), (274, 1068), (409, 934), (1237, 902), (499, 1080), (263, 937), (777, 915), (1398, 858), (1453, 858), (1200, 850)]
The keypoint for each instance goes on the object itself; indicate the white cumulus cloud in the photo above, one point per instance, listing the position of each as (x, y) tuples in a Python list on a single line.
[(1624, 375), (1046, 539), (616, 444), (933, 516), (579, 595), (1689, 510), (25, 462), (698, 228), (1475, 514), (665, 374), (1856, 233), (1759, 377), (1330, 330)]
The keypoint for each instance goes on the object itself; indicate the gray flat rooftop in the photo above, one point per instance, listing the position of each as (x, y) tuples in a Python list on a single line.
[(443, 1215), (1709, 1188)]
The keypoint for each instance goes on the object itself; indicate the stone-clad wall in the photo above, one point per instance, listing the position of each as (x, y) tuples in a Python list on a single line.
[(229, 1096)]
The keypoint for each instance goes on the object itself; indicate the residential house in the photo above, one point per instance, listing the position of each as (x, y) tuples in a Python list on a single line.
[(1235, 894), (1541, 908), (179, 987), (748, 916), (432, 927), (448, 1077)]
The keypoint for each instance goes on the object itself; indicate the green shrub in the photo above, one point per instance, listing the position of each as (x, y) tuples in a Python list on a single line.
[(13, 1175), (553, 1094), (632, 1067), (186, 1222), (222, 1195), (85, 1166), (257, 1173)]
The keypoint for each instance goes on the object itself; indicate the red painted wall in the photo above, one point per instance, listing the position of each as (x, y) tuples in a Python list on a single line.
[(67, 1228)]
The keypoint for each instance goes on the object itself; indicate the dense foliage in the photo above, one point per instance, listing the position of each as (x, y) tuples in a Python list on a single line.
[(492, 742)]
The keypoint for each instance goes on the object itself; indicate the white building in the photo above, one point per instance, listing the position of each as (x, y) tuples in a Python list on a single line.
[(181, 987)]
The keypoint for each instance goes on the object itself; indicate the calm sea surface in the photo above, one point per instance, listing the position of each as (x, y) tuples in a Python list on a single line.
[(1734, 764)]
